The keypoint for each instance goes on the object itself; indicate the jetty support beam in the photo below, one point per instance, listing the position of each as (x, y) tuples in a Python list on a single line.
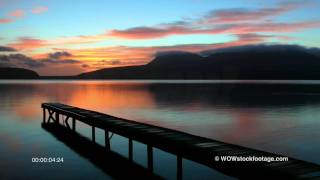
[(93, 134), (179, 167), (150, 157), (130, 154), (106, 139), (44, 115)]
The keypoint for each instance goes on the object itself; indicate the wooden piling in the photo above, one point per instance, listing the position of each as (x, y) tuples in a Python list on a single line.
[(57, 118), (44, 115), (179, 167), (130, 154), (106, 139), (150, 157), (93, 134)]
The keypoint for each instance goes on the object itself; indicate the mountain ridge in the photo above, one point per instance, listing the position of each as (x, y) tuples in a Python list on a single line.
[(273, 62), (17, 73)]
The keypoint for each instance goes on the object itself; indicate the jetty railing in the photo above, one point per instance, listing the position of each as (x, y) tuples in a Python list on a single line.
[(195, 148)]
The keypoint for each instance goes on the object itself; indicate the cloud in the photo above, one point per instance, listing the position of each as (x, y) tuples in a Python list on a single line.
[(4, 58), (19, 60), (157, 32), (253, 37), (207, 24), (225, 21), (105, 63), (5, 20), (17, 13), (58, 58), (3, 64), (28, 43), (263, 48), (272, 27), (6, 49), (85, 66), (244, 28), (140, 33), (58, 61), (108, 62), (58, 55), (39, 10), (260, 38), (236, 15)]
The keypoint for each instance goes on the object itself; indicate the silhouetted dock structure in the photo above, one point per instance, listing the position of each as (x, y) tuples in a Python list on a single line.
[(183, 145)]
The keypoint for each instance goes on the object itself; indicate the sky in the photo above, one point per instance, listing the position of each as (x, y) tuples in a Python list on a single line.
[(59, 37)]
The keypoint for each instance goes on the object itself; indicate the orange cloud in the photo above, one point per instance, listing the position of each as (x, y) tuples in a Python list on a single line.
[(5, 20), (17, 13), (39, 10), (28, 43)]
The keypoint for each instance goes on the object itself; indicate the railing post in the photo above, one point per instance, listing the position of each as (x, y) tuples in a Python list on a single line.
[(130, 150), (106, 139), (44, 115), (57, 118), (179, 167), (93, 134), (150, 157)]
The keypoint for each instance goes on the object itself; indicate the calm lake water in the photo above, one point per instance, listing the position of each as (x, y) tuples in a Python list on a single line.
[(281, 117)]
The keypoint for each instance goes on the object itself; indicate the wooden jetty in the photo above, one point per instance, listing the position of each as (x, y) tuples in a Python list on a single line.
[(185, 146)]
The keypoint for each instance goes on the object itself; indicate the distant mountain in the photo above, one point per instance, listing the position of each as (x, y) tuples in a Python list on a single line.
[(263, 48), (175, 60), (248, 62), (17, 73)]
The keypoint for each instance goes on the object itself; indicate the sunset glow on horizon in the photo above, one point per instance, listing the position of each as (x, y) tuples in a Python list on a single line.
[(56, 37)]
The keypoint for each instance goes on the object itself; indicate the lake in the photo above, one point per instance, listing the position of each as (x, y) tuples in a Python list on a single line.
[(276, 116)]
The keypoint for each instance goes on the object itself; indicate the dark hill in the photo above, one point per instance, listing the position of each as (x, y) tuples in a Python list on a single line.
[(176, 61), (264, 65), (17, 73), (273, 62)]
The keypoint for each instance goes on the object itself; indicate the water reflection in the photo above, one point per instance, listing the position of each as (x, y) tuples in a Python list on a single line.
[(111, 96), (281, 118), (112, 163)]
